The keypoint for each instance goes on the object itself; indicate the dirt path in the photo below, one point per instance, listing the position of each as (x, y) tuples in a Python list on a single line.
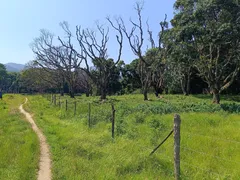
[(44, 172)]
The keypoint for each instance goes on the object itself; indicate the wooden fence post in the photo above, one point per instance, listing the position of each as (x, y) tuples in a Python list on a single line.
[(66, 105), (75, 108), (113, 120), (89, 115), (176, 127)]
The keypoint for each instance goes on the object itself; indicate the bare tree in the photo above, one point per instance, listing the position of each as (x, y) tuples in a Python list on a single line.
[(95, 50), (147, 66), (60, 57), (47, 56)]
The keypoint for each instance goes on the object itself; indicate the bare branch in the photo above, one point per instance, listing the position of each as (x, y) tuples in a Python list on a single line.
[(163, 27), (118, 28), (150, 36)]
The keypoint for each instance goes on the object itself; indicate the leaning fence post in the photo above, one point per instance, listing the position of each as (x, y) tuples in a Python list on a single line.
[(113, 120), (177, 122), (89, 115), (75, 108), (66, 105)]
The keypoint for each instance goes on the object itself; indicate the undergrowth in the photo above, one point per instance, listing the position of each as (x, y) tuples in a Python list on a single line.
[(210, 138)]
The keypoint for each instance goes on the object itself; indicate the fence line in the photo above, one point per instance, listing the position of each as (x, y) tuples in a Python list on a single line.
[(170, 159), (177, 146), (206, 170), (206, 154), (226, 140)]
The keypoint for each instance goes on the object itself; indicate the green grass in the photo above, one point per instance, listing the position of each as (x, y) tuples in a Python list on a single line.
[(210, 137), (19, 149)]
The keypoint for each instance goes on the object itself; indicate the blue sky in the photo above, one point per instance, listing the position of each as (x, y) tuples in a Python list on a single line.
[(21, 20)]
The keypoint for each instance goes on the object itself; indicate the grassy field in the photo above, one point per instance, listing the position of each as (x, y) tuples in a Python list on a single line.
[(19, 149), (210, 137)]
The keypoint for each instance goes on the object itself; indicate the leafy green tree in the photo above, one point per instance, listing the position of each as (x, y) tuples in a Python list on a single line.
[(181, 58), (3, 77), (155, 57), (13, 82), (38, 80), (130, 78), (213, 28), (106, 77), (114, 85)]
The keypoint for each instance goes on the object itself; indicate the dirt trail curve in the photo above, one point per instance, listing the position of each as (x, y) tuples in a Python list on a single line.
[(44, 172)]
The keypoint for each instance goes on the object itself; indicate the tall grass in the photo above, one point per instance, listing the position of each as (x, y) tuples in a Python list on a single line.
[(210, 138), (19, 149)]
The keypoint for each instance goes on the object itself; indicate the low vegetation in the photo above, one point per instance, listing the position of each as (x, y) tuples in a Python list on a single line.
[(19, 148), (209, 137)]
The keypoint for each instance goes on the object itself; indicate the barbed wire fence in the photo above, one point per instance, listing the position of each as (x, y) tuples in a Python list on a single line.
[(181, 168)]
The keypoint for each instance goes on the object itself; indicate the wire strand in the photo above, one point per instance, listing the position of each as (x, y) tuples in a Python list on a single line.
[(206, 154), (226, 140)]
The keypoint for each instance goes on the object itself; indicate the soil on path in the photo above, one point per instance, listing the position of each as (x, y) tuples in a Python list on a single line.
[(44, 172)]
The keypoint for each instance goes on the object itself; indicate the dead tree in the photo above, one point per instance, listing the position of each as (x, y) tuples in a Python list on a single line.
[(147, 66), (46, 57), (136, 43), (59, 58), (70, 59), (96, 51)]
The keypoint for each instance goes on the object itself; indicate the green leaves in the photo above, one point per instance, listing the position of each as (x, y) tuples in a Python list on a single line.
[(207, 32)]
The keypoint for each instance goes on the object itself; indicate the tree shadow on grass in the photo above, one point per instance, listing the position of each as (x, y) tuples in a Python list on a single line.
[(150, 163), (203, 96), (225, 97), (235, 98), (231, 107)]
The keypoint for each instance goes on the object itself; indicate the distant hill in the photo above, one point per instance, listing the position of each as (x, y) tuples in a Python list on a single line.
[(14, 67)]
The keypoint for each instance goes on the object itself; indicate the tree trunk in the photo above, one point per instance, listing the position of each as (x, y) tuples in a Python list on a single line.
[(166, 90), (71, 90), (103, 94), (71, 93), (156, 91), (188, 83), (216, 96), (145, 95), (61, 91), (183, 86), (91, 92), (87, 93)]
